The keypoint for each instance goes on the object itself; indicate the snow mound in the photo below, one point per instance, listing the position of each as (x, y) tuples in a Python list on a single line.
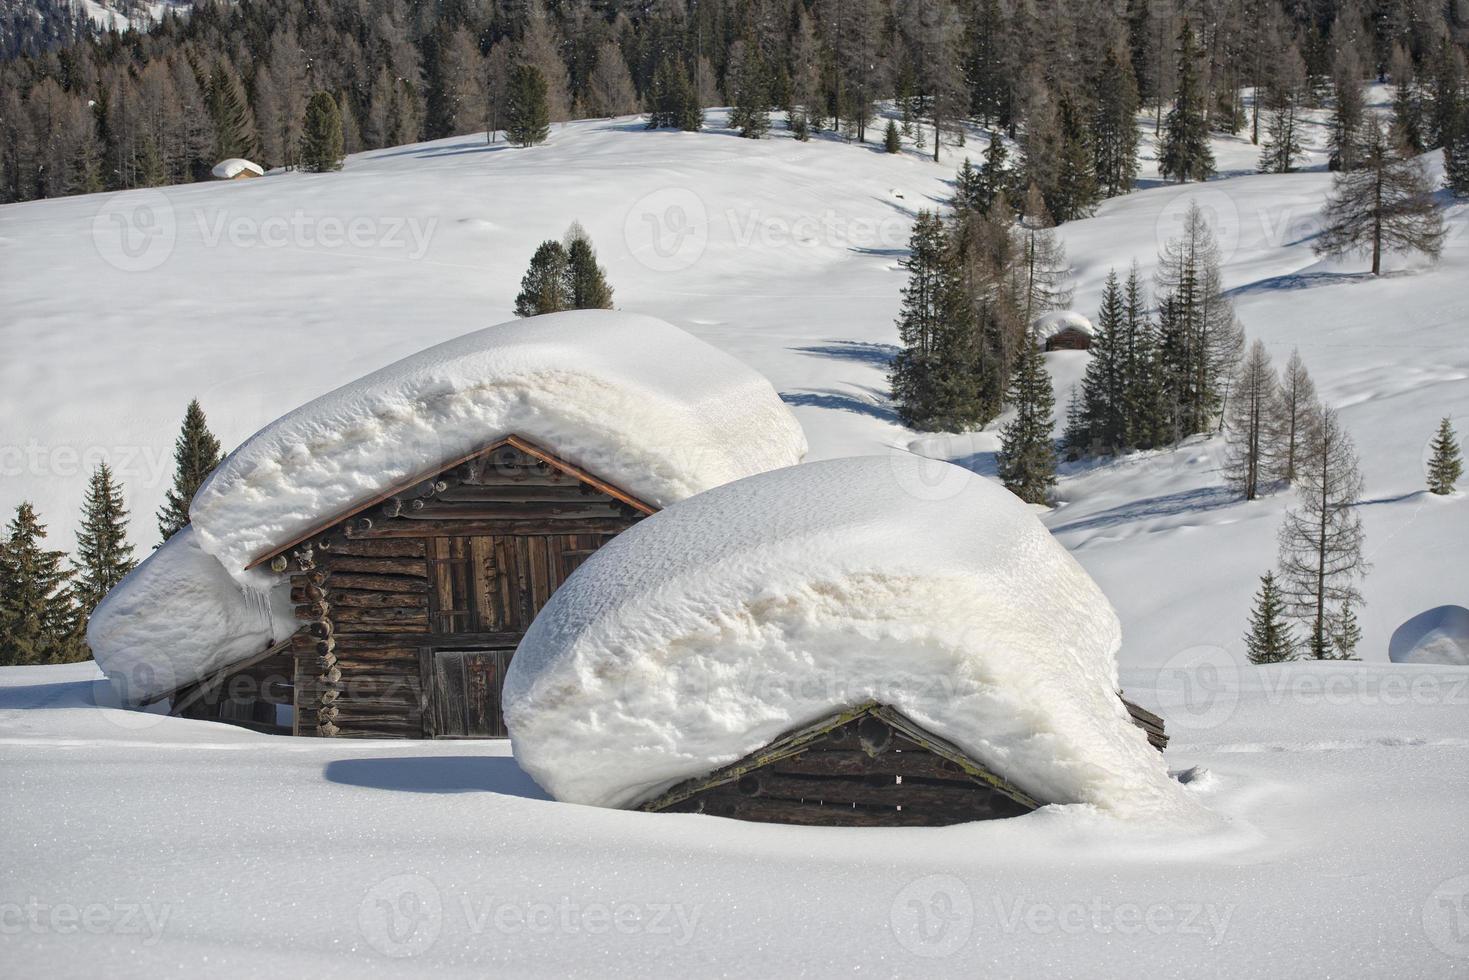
[(630, 398), (709, 629), (234, 166), (1438, 636), (177, 618), (1048, 325)]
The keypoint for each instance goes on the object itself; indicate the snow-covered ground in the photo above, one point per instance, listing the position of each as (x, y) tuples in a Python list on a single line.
[(142, 845)]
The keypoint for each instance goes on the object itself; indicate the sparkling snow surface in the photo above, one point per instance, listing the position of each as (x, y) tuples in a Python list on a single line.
[(707, 630), (630, 398)]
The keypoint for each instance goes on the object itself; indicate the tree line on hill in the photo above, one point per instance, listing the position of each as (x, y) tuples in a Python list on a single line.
[(1065, 81)]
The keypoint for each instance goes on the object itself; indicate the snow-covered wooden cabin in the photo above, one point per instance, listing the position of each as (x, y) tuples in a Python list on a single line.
[(1065, 330), (236, 168), (367, 565), (881, 641)]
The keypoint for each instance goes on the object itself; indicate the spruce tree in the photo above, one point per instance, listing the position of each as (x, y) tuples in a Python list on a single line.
[(1253, 416), (1407, 106), (1145, 409), (1270, 639), (968, 188), (195, 455), (587, 286), (1456, 155), (672, 103), (1321, 539), (36, 604), (1027, 456), (103, 555), (1344, 633), (1075, 192), (321, 137), (892, 142), (751, 113), (1185, 154), (546, 285), (1446, 466), (1114, 127), (1103, 387), (1348, 112), (234, 123), (1384, 205), (527, 117)]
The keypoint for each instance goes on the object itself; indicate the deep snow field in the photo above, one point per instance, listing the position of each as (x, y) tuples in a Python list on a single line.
[(140, 845)]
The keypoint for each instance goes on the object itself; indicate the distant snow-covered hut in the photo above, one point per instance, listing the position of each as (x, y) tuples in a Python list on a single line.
[(236, 168), (1064, 330), (871, 641), (367, 564)]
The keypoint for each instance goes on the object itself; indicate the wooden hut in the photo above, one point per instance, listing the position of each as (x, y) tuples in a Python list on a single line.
[(412, 604)]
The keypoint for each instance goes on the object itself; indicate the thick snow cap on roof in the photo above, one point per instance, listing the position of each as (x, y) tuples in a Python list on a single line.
[(234, 166), (1048, 325), (708, 630), (629, 398), (177, 618)]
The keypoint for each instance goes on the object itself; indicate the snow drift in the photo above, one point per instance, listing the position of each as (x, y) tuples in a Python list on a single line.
[(709, 629), (178, 617), (630, 398), (1438, 636)]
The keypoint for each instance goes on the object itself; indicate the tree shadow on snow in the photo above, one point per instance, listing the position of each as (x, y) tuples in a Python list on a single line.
[(458, 149), (840, 401), (1299, 280), (1170, 505), (436, 774), (878, 355)]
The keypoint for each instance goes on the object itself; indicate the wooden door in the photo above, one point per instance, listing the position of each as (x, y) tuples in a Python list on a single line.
[(466, 690), (497, 583)]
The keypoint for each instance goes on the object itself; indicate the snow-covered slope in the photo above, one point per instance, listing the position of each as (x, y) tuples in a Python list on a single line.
[(1343, 785)]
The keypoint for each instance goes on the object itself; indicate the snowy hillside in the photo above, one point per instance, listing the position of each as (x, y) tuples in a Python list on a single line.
[(1342, 786)]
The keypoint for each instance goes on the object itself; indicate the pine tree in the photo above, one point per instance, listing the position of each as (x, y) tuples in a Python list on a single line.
[(1185, 154), (1321, 538), (587, 287), (1407, 106), (1344, 632), (1145, 411), (1027, 456), (1385, 205), (1254, 410), (891, 141), (1270, 639), (1200, 337), (36, 605), (933, 378), (1446, 466), (195, 455), (234, 122), (527, 118), (672, 103), (1114, 127), (1298, 406), (1103, 387), (545, 288), (968, 188), (321, 137), (1075, 192), (995, 178), (751, 113), (103, 555), (1456, 155)]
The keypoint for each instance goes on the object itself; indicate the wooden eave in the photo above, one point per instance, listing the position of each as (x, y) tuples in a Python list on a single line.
[(797, 740), (550, 459)]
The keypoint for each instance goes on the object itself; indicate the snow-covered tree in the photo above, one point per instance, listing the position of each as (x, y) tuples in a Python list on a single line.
[(103, 555), (1447, 465), (1321, 539), (1253, 417), (1384, 205), (1027, 456), (195, 455), (1270, 639)]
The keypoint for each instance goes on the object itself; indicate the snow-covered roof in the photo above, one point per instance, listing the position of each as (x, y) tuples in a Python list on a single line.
[(629, 398), (1048, 325), (178, 617), (234, 166), (708, 630)]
